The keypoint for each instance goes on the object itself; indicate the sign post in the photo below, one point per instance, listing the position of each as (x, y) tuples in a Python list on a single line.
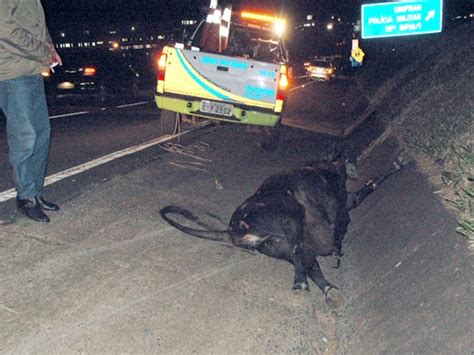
[(403, 18)]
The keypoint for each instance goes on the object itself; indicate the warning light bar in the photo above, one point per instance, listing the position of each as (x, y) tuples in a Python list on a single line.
[(260, 17), (279, 23)]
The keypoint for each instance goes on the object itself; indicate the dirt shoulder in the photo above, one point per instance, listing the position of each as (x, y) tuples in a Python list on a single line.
[(407, 273)]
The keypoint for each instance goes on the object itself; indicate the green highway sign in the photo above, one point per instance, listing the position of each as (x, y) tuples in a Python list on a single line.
[(403, 18)]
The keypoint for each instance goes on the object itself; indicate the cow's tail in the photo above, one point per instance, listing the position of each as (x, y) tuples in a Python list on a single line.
[(355, 199), (221, 235)]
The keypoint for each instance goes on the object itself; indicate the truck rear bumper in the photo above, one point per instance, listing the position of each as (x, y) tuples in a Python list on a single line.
[(240, 113)]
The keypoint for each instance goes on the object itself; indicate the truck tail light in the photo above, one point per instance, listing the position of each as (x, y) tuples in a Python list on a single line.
[(282, 83), (162, 67), (89, 71)]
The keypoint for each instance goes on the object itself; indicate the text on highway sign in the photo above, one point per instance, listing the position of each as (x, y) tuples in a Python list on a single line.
[(403, 18)]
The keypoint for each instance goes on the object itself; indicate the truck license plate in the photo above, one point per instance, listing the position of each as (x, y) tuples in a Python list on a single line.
[(216, 108)]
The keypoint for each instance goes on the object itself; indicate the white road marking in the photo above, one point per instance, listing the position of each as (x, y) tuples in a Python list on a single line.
[(69, 114), (8, 309), (135, 104), (302, 85), (9, 194), (102, 109)]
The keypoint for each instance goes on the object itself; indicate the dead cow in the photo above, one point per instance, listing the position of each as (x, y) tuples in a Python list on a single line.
[(295, 216)]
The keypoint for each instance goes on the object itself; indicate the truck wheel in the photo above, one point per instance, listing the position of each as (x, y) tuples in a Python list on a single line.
[(135, 90), (103, 96), (169, 122), (272, 139)]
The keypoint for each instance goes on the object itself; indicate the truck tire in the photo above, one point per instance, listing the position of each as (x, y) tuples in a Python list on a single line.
[(169, 122), (135, 90), (272, 140), (102, 99)]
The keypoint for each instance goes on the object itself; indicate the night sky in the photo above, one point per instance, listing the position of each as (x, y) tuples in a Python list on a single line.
[(162, 11), (96, 12)]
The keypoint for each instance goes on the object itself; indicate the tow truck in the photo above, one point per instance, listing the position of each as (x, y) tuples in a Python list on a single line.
[(233, 68)]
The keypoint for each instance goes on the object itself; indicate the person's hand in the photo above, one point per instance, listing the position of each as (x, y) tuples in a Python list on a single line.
[(54, 57)]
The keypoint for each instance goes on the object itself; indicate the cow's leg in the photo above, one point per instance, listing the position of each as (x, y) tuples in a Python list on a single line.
[(289, 250), (340, 230), (338, 238), (332, 295), (355, 198), (300, 283), (339, 234)]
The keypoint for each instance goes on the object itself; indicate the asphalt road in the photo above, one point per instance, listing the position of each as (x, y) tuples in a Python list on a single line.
[(91, 287), (83, 133), (107, 275)]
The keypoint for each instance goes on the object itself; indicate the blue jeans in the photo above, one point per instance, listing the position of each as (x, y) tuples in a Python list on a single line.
[(23, 102)]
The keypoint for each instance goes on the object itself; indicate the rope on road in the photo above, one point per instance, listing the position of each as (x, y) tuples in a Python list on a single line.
[(192, 166), (199, 165), (187, 151)]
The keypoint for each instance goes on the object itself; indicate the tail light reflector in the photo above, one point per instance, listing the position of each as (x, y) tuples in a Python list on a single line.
[(162, 66), (282, 83)]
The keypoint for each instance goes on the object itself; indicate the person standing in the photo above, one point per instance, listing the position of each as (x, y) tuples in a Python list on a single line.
[(26, 50)]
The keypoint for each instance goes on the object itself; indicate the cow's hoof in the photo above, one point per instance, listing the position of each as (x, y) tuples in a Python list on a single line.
[(335, 262), (300, 286), (334, 297)]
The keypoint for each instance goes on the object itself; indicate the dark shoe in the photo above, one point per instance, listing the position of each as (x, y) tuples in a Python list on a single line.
[(45, 205), (32, 210)]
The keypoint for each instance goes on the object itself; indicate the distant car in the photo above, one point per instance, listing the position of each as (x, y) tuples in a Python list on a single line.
[(92, 74), (320, 69)]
